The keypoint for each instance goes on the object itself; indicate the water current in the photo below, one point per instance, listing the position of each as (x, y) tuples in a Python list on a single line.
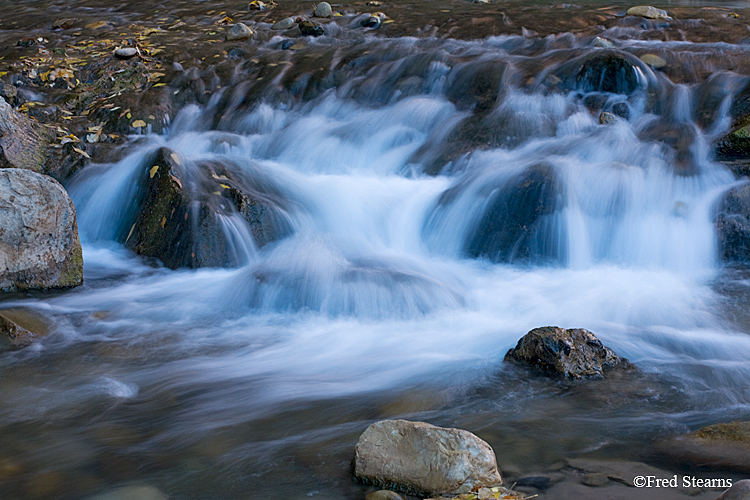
[(405, 265)]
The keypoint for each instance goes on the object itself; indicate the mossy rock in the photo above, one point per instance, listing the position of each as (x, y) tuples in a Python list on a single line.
[(724, 447)]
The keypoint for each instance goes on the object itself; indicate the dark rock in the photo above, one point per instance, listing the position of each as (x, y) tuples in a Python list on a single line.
[(64, 24), (570, 354), (595, 479), (422, 459), (23, 142), (309, 28), (733, 224), (509, 227), (10, 94), (177, 215), (476, 85), (622, 110), (39, 245), (739, 491), (606, 70), (537, 482), (724, 447)]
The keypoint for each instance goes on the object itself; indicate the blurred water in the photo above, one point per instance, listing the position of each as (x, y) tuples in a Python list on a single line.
[(374, 306)]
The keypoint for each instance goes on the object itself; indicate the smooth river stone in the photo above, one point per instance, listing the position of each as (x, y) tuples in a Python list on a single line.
[(284, 24)]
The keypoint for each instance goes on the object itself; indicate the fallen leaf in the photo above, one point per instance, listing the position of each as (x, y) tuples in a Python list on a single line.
[(152, 171), (138, 123), (81, 152)]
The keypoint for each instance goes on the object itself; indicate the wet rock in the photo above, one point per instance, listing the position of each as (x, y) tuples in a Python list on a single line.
[(606, 118), (607, 71), (179, 221), (373, 21), (126, 52), (419, 458), (595, 479), (23, 142), (39, 245), (603, 43), (735, 145), (618, 471), (724, 447), (648, 12), (13, 336), (384, 495), (132, 492), (514, 216), (476, 86), (653, 60), (739, 491), (323, 9), (308, 28), (64, 24), (622, 110), (284, 24), (733, 225), (239, 31), (571, 354), (21, 326)]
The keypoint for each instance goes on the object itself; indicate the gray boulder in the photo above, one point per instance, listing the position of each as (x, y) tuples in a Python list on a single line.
[(571, 354), (39, 245), (23, 141), (421, 459), (739, 491)]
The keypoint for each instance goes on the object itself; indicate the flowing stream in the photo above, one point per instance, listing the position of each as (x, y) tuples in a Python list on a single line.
[(393, 292)]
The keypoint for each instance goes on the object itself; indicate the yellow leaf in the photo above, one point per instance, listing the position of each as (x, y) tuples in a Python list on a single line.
[(175, 158), (128, 116), (224, 186), (152, 171), (151, 117), (81, 152), (138, 124), (163, 221), (159, 84), (130, 233), (96, 25), (156, 51)]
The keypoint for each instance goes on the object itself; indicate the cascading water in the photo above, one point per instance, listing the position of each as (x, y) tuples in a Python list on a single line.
[(390, 292)]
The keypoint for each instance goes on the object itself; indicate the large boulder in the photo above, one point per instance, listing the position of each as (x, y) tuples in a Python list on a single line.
[(733, 224), (39, 245), (571, 354), (422, 459), (23, 141), (724, 447), (178, 213), (739, 491)]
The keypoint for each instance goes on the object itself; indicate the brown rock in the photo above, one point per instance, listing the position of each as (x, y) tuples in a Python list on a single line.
[(724, 447), (39, 245), (571, 354), (419, 458)]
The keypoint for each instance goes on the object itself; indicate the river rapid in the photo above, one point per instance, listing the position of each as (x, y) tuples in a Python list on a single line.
[(396, 290)]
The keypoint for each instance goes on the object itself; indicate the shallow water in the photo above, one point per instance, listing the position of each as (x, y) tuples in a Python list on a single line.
[(388, 300)]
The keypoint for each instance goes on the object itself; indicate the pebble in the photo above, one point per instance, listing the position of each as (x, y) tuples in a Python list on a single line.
[(284, 24), (239, 31), (126, 52), (607, 118), (648, 12), (595, 479), (653, 60), (603, 43), (384, 495), (323, 9)]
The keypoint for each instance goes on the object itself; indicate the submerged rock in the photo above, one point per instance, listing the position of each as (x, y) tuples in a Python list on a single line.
[(724, 447), (384, 495), (648, 12), (514, 216), (23, 141), (133, 492), (12, 335), (607, 118), (419, 458), (177, 218), (653, 60), (608, 71), (39, 245), (21, 326), (733, 224), (239, 31), (571, 354)]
